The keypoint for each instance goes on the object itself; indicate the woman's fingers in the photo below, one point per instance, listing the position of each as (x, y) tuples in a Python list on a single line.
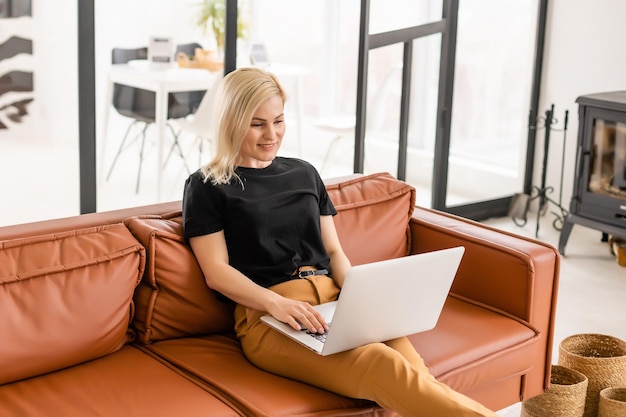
[(313, 321), (302, 315)]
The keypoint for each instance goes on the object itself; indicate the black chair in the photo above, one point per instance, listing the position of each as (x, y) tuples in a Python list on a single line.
[(193, 98), (139, 105)]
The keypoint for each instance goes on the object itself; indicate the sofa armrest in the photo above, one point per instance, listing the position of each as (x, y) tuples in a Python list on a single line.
[(503, 272), (508, 272)]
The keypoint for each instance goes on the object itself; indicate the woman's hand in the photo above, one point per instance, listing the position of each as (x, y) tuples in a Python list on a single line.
[(298, 314), (212, 255)]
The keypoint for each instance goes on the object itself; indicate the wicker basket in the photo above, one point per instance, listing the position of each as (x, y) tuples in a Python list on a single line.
[(612, 402), (565, 397), (601, 358)]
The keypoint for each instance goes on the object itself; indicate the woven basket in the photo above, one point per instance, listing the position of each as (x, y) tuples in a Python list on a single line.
[(601, 358), (612, 402), (565, 397)]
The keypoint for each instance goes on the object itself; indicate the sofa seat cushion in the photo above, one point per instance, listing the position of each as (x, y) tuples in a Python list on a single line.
[(219, 362), (373, 213), (173, 299), (65, 298), (472, 345), (127, 383)]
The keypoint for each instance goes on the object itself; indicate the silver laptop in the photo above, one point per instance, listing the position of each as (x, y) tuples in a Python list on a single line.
[(381, 301)]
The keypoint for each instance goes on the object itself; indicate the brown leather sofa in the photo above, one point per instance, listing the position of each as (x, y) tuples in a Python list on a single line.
[(107, 314)]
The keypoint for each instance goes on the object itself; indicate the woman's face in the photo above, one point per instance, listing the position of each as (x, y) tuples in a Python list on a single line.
[(265, 134)]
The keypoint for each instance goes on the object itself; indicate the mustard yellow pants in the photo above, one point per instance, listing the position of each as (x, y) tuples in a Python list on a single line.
[(392, 373)]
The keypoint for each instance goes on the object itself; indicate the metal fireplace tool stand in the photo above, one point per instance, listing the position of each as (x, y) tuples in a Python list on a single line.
[(521, 202)]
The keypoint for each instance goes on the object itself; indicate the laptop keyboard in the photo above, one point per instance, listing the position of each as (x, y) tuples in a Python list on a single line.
[(319, 336)]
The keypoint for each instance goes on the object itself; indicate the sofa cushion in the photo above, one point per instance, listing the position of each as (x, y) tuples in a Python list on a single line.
[(373, 213), (217, 361), (65, 298), (125, 383), (473, 345), (173, 299)]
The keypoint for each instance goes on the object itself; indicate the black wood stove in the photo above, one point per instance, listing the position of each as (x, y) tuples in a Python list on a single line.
[(599, 196)]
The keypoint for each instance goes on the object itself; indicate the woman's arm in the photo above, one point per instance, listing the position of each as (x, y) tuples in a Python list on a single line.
[(212, 255), (339, 262)]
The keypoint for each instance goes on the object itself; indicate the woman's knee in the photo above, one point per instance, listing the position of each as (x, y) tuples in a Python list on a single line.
[(406, 349)]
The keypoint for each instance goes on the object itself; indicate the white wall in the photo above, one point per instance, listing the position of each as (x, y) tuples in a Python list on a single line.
[(583, 55)]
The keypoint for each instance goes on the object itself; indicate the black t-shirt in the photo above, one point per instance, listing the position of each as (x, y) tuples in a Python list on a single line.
[(271, 224)]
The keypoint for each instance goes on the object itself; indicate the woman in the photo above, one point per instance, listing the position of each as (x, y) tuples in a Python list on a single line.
[(254, 220)]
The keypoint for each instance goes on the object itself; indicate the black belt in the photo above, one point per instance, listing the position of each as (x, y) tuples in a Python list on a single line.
[(309, 273)]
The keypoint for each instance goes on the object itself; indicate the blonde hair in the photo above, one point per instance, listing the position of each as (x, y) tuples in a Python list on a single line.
[(238, 97)]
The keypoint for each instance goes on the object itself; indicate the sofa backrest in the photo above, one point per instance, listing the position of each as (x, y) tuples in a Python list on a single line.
[(373, 213), (68, 295), (65, 298), (173, 299)]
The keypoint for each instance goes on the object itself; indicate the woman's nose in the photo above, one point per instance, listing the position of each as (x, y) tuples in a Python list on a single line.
[(270, 132)]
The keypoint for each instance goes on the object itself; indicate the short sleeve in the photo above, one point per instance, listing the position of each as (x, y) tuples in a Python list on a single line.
[(326, 206), (203, 207)]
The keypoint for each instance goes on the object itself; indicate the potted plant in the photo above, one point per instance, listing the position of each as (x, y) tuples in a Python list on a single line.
[(212, 16)]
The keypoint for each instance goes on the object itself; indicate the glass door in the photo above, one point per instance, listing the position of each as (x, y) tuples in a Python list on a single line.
[(494, 67), (466, 82)]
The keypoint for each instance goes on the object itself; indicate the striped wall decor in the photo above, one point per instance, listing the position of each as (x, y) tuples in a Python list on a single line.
[(16, 63)]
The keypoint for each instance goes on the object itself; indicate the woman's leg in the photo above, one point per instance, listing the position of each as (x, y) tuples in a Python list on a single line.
[(392, 373)]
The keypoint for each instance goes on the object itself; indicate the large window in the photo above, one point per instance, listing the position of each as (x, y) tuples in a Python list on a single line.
[(313, 47), (487, 85), (492, 98), (38, 110)]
